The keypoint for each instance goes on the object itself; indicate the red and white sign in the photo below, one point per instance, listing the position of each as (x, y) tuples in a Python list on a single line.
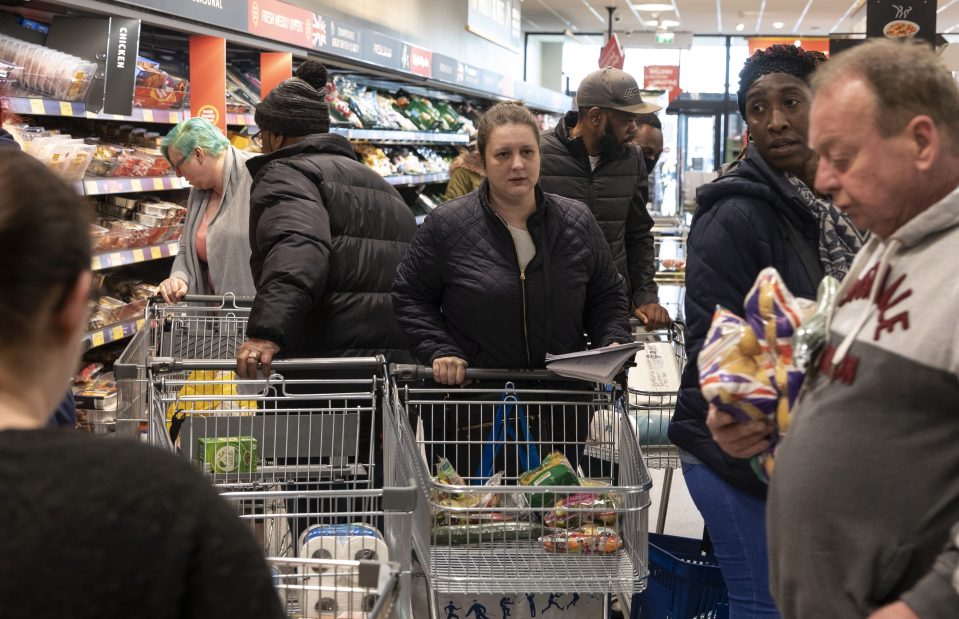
[(662, 77), (421, 61), (612, 54), (279, 21)]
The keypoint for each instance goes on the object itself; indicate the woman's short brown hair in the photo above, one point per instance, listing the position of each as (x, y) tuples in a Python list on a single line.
[(505, 113)]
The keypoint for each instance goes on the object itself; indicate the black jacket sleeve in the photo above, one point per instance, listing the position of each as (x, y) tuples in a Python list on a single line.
[(607, 312), (292, 237), (640, 249), (418, 295)]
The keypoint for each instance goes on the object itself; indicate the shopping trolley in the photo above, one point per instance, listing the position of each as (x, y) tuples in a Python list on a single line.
[(294, 451), (495, 537), (652, 401)]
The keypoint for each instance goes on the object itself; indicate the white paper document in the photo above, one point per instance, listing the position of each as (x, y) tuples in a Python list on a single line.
[(599, 364)]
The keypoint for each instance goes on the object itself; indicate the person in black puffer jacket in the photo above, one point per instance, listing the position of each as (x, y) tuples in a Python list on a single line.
[(326, 234), (505, 274), (590, 156), (761, 213)]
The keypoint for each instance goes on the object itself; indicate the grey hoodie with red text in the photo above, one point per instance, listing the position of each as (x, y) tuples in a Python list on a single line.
[(864, 503)]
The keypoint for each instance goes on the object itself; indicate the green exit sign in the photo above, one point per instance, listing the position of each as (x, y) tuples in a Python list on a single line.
[(665, 38)]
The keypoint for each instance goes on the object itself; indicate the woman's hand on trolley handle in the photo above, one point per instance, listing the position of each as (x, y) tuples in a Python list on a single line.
[(173, 289), (449, 370), (253, 353), (739, 440)]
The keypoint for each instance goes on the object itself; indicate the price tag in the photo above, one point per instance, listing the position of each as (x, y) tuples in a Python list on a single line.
[(136, 184), (90, 187), (97, 339), (157, 252), (157, 184), (116, 333), (66, 109), (96, 266), (147, 115), (36, 106), (138, 255)]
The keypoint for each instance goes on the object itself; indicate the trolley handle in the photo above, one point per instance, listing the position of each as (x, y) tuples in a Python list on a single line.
[(226, 300), (171, 364), (408, 372)]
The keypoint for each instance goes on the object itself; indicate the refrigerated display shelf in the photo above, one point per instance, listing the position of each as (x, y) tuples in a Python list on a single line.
[(113, 333), (50, 107), (401, 137), (123, 257)]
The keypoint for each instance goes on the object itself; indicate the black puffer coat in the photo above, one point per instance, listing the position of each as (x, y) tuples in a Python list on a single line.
[(616, 193), (459, 290), (327, 234), (737, 231)]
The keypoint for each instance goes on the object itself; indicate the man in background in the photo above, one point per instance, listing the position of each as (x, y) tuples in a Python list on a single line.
[(590, 156)]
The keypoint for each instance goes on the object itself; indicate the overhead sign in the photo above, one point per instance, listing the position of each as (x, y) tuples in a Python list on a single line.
[(279, 21), (612, 54), (497, 21), (121, 68), (419, 61), (222, 13), (902, 19), (662, 77)]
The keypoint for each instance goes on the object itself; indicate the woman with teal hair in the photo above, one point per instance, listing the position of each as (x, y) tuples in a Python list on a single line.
[(214, 256)]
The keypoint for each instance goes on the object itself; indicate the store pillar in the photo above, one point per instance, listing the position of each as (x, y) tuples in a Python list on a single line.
[(208, 79), (274, 68)]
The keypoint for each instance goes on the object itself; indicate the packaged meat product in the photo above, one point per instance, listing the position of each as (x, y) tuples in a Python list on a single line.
[(587, 539)]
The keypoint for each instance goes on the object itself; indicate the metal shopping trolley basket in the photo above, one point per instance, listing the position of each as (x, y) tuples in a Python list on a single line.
[(528, 514)]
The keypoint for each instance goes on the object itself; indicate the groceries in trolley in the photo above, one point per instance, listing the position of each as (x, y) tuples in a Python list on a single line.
[(232, 454), (748, 367), (578, 523)]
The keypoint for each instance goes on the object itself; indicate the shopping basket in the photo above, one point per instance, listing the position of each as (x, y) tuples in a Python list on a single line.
[(480, 538), (684, 582)]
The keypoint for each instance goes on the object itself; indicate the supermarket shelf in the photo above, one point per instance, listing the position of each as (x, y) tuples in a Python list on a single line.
[(51, 107), (146, 115), (239, 119), (101, 186), (418, 179), (132, 256), (113, 333), (410, 137)]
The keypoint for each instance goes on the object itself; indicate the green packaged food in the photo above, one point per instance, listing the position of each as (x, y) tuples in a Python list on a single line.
[(459, 534), (231, 454), (554, 471)]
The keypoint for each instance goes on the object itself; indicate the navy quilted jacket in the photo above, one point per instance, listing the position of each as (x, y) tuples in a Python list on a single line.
[(735, 234), (458, 292), (326, 234)]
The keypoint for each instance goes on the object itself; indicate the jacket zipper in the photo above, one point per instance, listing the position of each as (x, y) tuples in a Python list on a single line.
[(522, 284)]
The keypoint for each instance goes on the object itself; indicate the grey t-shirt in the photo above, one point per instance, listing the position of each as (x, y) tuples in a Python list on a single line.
[(525, 249)]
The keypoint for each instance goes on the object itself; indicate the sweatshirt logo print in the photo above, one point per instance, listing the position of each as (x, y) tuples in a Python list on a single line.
[(886, 301)]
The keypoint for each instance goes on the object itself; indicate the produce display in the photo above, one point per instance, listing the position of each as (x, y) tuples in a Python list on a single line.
[(405, 160), (748, 367), (46, 71), (367, 108)]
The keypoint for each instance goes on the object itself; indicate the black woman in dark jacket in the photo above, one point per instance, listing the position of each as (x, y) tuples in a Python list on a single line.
[(505, 274), (762, 213)]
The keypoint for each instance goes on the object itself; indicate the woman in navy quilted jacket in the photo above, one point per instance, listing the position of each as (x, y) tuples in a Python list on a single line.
[(502, 276), (761, 213)]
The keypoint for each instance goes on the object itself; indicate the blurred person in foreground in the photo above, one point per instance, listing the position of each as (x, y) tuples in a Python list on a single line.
[(326, 233), (214, 256), (863, 508), (93, 528), (762, 213), (590, 157)]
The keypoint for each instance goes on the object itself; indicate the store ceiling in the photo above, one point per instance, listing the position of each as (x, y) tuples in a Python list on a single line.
[(794, 17)]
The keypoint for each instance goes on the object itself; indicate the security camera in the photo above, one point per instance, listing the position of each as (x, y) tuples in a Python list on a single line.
[(617, 18)]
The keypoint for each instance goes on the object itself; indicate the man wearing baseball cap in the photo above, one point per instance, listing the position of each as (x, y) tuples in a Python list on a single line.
[(590, 157)]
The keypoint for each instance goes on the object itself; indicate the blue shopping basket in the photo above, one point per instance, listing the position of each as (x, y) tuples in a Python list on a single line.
[(684, 582)]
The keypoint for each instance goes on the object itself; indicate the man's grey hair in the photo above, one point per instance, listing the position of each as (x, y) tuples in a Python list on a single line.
[(907, 80)]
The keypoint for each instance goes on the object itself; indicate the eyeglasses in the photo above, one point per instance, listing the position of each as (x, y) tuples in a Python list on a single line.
[(257, 139), (179, 164)]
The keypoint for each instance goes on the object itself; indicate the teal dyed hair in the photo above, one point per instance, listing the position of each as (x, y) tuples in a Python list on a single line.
[(193, 133)]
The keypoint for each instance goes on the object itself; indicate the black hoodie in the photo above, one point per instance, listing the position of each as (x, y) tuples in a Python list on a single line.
[(738, 230), (326, 234)]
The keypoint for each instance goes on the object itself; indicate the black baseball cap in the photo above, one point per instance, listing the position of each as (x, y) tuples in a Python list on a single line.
[(613, 88)]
